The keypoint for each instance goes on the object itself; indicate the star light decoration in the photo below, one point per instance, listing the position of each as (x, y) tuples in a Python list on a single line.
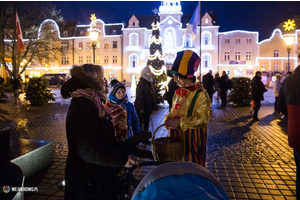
[(289, 25), (93, 19)]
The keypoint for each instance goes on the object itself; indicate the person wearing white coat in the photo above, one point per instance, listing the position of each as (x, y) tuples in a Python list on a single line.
[(276, 89)]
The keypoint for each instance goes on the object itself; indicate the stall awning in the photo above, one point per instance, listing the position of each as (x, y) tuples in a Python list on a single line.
[(264, 73)]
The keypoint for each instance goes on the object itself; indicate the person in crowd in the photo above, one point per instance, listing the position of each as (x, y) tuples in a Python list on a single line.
[(119, 96), (289, 104), (191, 108), (257, 93), (276, 89), (223, 89), (216, 85), (289, 73), (95, 156), (252, 107), (172, 86), (16, 82), (145, 98), (208, 84)]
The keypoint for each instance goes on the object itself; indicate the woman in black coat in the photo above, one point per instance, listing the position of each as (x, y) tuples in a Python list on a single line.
[(257, 93), (145, 99), (95, 156)]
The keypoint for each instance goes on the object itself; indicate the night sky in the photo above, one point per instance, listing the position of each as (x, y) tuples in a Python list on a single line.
[(261, 16)]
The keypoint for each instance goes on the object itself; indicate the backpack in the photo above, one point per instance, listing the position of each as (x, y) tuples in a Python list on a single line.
[(229, 84)]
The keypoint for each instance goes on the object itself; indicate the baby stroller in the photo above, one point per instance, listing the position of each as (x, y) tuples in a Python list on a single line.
[(176, 180)]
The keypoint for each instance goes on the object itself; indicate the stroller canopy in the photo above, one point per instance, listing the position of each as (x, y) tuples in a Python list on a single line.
[(179, 180)]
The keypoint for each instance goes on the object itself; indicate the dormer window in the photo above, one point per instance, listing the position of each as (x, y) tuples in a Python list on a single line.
[(81, 33), (65, 33), (114, 31), (206, 21), (133, 23)]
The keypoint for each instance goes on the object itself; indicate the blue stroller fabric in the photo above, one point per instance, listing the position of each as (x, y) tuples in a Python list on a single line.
[(178, 181)]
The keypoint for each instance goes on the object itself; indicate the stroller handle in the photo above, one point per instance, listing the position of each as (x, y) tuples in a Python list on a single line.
[(130, 176)]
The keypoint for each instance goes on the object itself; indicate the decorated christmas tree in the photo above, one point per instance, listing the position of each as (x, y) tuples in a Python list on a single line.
[(37, 92), (156, 61), (240, 94)]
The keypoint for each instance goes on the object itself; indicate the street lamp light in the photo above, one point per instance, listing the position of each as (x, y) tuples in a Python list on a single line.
[(289, 41), (94, 36)]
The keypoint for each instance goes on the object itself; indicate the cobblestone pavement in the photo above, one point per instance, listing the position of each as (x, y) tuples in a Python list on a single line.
[(251, 160)]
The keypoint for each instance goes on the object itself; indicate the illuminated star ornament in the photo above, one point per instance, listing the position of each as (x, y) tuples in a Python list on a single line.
[(155, 11), (93, 18), (289, 25)]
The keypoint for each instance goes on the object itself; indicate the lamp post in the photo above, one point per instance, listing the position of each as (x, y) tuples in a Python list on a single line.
[(94, 37), (289, 41)]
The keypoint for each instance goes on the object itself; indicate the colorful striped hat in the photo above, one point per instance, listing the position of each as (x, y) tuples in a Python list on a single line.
[(185, 64)]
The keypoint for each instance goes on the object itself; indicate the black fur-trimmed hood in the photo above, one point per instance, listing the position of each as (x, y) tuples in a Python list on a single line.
[(79, 80)]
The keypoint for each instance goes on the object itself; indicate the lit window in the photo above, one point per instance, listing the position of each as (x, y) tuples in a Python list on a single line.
[(170, 35), (80, 45), (80, 59), (206, 38), (114, 59), (88, 45), (227, 55), (248, 55), (105, 59), (132, 61), (64, 60), (115, 44), (65, 46), (188, 41), (97, 60), (106, 45), (276, 53), (133, 39), (206, 60), (227, 41), (275, 66), (237, 55), (89, 59), (206, 21)]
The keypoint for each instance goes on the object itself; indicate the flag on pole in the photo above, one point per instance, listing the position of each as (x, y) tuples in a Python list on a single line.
[(194, 22), (20, 43)]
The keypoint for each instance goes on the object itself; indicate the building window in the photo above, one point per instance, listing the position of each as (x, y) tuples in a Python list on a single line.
[(65, 46), (115, 44), (237, 55), (248, 55), (188, 41), (133, 39), (89, 59), (238, 40), (80, 45), (81, 33), (275, 66), (105, 59), (227, 55), (65, 33), (133, 23), (114, 31), (206, 38), (64, 60), (97, 59), (80, 59), (248, 40), (169, 35), (276, 53), (133, 61), (263, 66), (227, 41), (206, 60), (114, 59), (88, 45), (106, 45)]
